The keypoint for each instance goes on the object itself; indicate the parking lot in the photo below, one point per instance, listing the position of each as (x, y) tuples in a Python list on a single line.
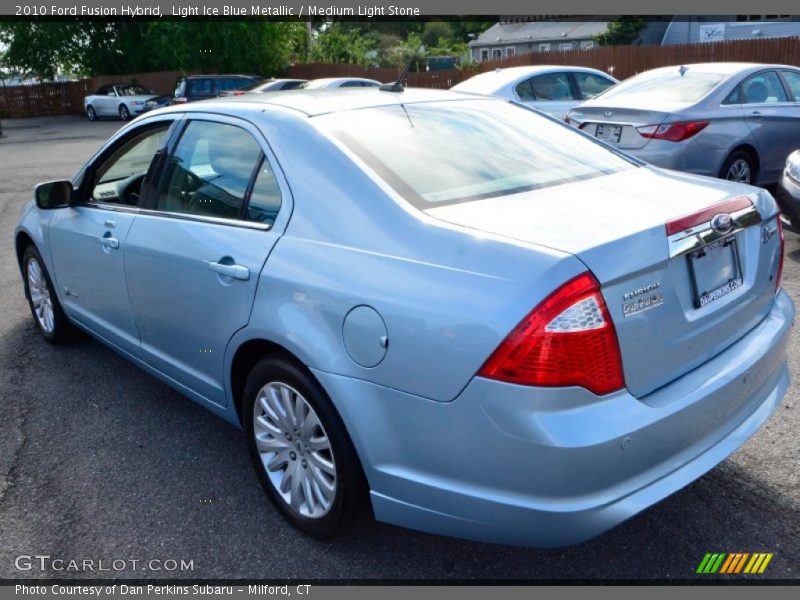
[(98, 460)]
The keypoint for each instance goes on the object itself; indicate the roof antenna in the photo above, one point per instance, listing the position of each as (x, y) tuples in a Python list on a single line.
[(397, 86)]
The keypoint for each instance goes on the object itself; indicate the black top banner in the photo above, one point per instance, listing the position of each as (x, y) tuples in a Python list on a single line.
[(309, 9)]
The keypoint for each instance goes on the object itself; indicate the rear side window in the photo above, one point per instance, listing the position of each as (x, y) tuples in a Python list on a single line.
[(763, 88), (552, 86), (199, 86), (592, 85), (210, 171), (525, 91), (232, 83), (444, 152), (265, 199)]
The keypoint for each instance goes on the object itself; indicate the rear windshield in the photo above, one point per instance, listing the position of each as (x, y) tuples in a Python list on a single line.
[(444, 152), (671, 86)]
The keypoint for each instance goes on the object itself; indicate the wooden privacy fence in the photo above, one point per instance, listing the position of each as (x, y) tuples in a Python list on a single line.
[(621, 61)]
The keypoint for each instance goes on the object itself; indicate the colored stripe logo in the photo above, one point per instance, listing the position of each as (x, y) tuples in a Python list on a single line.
[(734, 563)]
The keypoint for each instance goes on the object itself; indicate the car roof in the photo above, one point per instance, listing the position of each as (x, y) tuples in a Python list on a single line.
[(490, 81), (323, 101), (220, 76), (724, 68)]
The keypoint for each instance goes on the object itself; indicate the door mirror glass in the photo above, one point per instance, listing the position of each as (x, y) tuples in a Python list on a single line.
[(53, 194)]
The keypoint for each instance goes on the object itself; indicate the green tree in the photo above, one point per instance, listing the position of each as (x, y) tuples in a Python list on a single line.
[(622, 31), (339, 43)]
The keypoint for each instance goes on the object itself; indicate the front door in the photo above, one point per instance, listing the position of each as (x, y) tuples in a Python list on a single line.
[(194, 257), (87, 239)]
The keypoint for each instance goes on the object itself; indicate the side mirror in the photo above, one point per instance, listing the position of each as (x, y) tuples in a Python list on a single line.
[(53, 194)]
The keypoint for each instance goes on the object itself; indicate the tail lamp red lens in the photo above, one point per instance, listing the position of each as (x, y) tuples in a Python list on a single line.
[(673, 132), (567, 340)]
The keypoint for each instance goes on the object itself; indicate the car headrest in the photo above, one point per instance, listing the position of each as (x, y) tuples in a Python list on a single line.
[(757, 92)]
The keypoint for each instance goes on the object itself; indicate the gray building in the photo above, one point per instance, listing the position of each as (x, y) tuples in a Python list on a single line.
[(508, 38), (717, 28)]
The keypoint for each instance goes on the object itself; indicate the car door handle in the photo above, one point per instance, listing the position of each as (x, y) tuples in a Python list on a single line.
[(236, 271), (755, 113), (110, 242)]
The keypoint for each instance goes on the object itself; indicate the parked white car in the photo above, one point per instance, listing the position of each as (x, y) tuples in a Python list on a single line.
[(552, 89), (339, 82), (120, 100)]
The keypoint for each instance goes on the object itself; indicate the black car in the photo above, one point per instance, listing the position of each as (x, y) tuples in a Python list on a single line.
[(787, 193), (202, 87)]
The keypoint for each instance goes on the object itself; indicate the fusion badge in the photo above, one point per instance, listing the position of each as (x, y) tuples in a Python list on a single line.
[(641, 299)]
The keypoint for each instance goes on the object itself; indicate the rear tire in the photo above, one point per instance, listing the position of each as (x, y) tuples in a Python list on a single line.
[(740, 166), (47, 313), (90, 113), (124, 113), (314, 477)]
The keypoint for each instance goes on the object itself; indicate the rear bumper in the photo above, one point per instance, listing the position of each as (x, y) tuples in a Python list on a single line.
[(687, 156), (545, 467)]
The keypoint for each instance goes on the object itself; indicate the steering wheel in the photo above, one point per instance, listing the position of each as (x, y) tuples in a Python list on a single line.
[(128, 189)]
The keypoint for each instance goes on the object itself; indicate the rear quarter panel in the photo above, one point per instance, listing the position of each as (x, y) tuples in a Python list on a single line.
[(448, 295)]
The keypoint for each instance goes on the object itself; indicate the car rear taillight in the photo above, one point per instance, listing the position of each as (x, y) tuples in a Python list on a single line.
[(672, 132), (779, 276), (567, 340)]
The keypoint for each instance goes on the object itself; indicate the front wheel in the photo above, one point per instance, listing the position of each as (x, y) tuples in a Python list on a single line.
[(48, 315), (739, 167), (124, 113), (90, 113), (301, 450)]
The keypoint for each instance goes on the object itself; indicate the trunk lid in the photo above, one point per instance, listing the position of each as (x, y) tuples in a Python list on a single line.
[(616, 226), (599, 119)]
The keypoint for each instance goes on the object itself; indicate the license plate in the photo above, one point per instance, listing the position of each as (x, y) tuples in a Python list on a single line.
[(608, 133), (715, 271)]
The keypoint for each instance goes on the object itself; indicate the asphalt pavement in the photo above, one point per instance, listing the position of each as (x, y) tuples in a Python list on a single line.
[(101, 462)]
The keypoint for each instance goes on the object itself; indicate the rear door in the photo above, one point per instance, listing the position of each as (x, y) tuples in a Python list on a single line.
[(195, 254), (773, 120), (88, 239)]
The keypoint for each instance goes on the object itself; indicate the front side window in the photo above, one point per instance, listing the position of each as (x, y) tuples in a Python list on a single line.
[(444, 152), (763, 88), (793, 81), (209, 171), (552, 86), (592, 85), (118, 179)]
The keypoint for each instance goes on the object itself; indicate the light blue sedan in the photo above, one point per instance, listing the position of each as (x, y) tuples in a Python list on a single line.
[(461, 314)]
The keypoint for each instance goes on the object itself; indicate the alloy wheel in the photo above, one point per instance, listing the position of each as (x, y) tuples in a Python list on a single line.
[(739, 171), (295, 450), (40, 296)]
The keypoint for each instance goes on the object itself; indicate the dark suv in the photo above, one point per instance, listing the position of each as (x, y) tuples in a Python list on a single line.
[(201, 87)]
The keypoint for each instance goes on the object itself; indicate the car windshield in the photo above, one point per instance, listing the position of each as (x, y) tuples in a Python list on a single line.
[(674, 85), (444, 152), (133, 90)]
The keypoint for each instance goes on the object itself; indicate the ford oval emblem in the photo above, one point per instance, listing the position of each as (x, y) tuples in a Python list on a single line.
[(722, 223), (608, 113)]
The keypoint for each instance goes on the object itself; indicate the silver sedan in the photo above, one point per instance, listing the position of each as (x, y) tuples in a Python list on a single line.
[(737, 121)]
